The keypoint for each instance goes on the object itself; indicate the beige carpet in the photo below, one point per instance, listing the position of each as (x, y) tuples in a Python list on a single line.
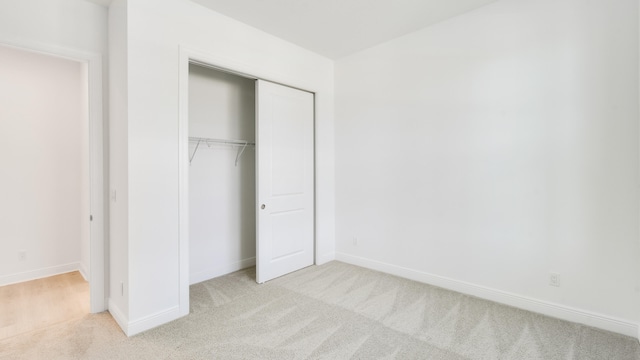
[(334, 311)]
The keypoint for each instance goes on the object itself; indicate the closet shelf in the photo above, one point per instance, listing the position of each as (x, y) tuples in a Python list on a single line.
[(210, 141)]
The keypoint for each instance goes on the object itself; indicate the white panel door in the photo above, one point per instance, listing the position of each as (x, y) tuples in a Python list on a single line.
[(285, 180)]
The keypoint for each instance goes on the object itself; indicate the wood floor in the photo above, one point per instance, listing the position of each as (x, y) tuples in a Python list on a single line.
[(40, 303)]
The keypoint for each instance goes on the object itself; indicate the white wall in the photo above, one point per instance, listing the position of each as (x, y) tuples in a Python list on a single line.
[(85, 178), (156, 31), (496, 147), (43, 151), (222, 215), (71, 24), (118, 170)]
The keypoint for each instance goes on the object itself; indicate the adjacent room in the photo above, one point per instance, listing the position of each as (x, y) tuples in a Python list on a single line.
[(44, 256), (336, 179)]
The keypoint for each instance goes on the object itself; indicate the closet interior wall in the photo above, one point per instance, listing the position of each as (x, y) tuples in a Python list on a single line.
[(222, 223)]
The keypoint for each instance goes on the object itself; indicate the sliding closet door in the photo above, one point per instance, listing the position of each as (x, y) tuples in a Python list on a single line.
[(285, 180)]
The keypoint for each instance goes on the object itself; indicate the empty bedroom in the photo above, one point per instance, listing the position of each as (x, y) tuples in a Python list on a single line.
[(356, 179)]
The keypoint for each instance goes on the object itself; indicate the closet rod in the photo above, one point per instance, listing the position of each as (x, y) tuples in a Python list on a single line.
[(209, 141), (221, 141)]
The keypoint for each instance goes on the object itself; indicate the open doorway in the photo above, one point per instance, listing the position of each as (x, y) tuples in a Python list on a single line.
[(48, 119), (222, 226), (229, 116), (218, 102)]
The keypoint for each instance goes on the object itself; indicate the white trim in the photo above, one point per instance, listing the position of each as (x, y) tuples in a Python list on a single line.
[(38, 273), (118, 316), (97, 271), (183, 183), (131, 328), (96, 159), (224, 64), (220, 270), (638, 195), (559, 311), (153, 320)]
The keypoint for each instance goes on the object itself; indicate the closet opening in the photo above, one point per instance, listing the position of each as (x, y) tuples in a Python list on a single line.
[(222, 173), (247, 175)]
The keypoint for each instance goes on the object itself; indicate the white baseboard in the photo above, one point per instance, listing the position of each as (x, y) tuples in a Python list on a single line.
[(221, 270), (153, 320), (38, 273), (559, 311), (325, 258), (131, 328), (118, 316)]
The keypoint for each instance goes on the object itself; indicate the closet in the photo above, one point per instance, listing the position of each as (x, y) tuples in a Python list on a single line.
[(251, 175), (222, 178)]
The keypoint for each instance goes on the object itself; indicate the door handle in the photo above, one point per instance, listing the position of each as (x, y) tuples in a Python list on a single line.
[(263, 206)]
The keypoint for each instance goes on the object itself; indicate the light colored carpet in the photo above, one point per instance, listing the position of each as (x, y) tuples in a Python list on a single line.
[(40, 303), (333, 311)]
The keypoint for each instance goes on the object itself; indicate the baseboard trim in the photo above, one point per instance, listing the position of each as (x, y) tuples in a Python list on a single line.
[(325, 258), (154, 320), (144, 324), (559, 311), (118, 316), (221, 270), (38, 273)]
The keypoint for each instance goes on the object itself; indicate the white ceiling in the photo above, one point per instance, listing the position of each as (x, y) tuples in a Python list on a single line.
[(336, 28)]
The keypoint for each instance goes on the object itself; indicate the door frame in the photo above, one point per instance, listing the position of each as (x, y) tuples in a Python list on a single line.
[(92, 63), (188, 56)]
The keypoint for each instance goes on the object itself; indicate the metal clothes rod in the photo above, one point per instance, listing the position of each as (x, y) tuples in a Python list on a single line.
[(210, 141), (221, 141)]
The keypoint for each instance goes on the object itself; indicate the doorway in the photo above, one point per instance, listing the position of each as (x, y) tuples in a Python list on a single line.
[(54, 165), (284, 204), (222, 221)]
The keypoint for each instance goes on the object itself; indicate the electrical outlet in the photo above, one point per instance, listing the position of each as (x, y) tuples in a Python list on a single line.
[(355, 241), (22, 255), (554, 279)]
